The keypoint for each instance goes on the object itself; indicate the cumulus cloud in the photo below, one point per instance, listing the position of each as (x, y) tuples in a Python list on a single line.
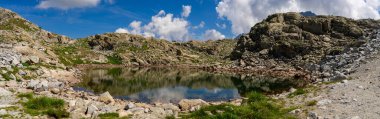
[(186, 10), (162, 25), (121, 30), (67, 4), (213, 34), (243, 14), (201, 25)]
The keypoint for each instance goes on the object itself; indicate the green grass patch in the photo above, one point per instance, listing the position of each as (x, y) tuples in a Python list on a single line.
[(115, 59), (111, 116), (6, 116), (67, 55), (45, 106), (300, 91), (6, 76), (311, 103), (11, 23), (25, 95), (257, 106)]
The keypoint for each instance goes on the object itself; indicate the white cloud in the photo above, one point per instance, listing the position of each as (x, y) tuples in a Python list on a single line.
[(213, 34), (243, 14), (121, 30), (222, 26), (201, 25), (67, 4), (186, 10), (163, 26)]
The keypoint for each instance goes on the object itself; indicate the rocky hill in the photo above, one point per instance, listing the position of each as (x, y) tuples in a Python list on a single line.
[(304, 42), (127, 49)]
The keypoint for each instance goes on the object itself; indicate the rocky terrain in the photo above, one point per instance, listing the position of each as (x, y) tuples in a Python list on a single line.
[(321, 45), (38, 65)]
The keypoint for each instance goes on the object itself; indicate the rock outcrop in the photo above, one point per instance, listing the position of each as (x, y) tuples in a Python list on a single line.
[(293, 40)]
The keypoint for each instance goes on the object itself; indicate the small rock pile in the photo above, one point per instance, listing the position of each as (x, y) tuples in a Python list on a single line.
[(9, 58)]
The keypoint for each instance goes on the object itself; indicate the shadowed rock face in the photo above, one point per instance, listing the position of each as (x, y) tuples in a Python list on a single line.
[(296, 39)]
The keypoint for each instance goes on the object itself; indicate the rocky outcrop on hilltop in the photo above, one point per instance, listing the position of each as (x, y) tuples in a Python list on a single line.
[(290, 40)]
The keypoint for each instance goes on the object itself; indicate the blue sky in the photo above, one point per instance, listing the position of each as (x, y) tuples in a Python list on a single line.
[(164, 19), (106, 17)]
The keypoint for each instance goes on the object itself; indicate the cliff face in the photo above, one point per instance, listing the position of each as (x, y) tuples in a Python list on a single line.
[(290, 39)]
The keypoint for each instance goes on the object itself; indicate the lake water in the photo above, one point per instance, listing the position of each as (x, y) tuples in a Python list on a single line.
[(171, 84)]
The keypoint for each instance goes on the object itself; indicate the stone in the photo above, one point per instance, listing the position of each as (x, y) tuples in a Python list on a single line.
[(130, 106), (106, 98), (296, 111), (22, 73), (42, 86), (292, 90), (15, 61), (24, 59), (72, 103), (195, 108), (56, 84), (137, 110), (32, 84), (55, 90), (324, 102), (344, 81), (170, 107), (91, 109), (13, 77), (264, 52), (313, 115), (4, 92), (187, 104), (35, 59)]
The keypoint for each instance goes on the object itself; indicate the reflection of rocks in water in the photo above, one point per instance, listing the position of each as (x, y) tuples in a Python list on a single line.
[(171, 85)]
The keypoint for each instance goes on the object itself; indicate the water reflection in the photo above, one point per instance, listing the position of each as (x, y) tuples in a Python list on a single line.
[(171, 85)]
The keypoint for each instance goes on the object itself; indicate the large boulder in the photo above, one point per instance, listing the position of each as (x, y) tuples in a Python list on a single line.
[(106, 98)]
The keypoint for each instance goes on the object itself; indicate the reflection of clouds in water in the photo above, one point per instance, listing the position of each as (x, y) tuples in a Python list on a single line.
[(164, 95), (175, 94)]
